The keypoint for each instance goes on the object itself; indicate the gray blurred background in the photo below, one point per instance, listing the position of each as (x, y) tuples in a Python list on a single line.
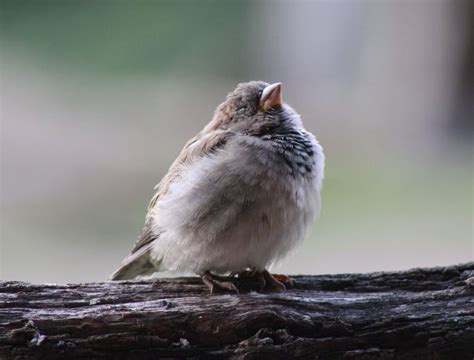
[(98, 97)]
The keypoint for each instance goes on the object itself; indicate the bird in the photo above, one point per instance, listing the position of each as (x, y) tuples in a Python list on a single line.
[(238, 198)]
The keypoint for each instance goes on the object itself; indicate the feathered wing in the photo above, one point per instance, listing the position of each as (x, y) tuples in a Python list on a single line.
[(138, 262)]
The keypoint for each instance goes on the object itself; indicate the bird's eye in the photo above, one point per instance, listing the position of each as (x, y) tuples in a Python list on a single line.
[(257, 100)]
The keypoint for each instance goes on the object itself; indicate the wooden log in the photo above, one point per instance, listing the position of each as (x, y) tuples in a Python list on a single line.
[(415, 314)]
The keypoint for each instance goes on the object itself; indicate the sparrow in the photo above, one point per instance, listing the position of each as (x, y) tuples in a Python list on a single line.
[(238, 198)]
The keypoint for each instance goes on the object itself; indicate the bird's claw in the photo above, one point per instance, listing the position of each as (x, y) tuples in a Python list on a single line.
[(267, 281), (215, 283), (285, 280), (260, 280)]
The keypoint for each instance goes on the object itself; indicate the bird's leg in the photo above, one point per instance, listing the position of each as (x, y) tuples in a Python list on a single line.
[(214, 282), (261, 281)]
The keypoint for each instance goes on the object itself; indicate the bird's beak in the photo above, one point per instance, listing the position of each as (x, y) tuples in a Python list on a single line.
[(271, 96)]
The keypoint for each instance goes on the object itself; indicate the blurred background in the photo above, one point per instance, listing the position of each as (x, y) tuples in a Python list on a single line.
[(98, 98)]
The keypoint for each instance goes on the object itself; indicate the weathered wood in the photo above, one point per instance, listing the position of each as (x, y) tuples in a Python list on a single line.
[(416, 314)]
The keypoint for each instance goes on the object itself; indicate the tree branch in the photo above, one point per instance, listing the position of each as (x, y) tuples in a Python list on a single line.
[(415, 314)]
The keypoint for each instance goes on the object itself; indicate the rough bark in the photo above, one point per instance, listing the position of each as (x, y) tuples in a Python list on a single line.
[(415, 314)]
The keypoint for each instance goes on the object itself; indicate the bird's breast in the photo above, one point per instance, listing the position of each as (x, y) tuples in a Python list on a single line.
[(243, 206), (297, 150)]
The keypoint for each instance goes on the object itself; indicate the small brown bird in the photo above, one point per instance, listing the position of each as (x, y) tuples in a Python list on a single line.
[(239, 196)]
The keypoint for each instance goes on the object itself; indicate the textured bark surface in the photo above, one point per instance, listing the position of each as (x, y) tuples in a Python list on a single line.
[(416, 314)]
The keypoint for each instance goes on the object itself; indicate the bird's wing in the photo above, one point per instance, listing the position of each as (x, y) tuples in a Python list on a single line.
[(199, 146)]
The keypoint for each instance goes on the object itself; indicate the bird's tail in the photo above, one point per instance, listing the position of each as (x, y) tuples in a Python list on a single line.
[(135, 264)]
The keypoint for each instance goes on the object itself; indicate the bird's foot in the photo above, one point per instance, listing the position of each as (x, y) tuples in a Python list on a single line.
[(253, 279), (216, 283), (285, 280), (267, 281), (272, 282)]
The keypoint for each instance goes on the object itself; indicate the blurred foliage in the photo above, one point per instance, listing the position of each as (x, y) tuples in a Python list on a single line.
[(129, 37)]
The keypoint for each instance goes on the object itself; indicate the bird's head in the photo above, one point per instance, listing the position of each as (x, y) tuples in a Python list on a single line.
[(254, 108)]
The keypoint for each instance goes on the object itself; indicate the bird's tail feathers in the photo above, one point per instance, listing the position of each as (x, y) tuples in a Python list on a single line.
[(135, 264)]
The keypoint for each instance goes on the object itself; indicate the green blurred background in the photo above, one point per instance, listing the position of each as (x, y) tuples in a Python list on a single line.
[(98, 97)]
